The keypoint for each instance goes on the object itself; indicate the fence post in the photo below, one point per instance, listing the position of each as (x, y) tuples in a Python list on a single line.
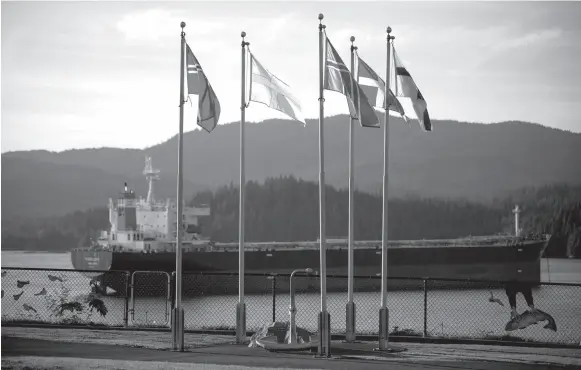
[(169, 301), (127, 288), (425, 308), (273, 297), (172, 289)]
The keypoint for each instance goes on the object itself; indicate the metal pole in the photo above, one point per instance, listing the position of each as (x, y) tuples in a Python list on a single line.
[(178, 314), (292, 311), (324, 317), (383, 311), (128, 295), (425, 308), (350, 309), (292, 306), (132, 297), (273, 298), (241, 306)]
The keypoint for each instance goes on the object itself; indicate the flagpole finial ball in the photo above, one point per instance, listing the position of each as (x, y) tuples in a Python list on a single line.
[(388, 29), (352, 38), (183, 24), (321, 16)]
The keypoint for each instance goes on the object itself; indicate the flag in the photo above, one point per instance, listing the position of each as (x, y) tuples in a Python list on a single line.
[(374, 88), (410, 90), (338, 78), (198, 84), (268, 89)]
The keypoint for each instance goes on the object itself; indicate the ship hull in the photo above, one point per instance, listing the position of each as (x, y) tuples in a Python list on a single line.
[(486, 262)]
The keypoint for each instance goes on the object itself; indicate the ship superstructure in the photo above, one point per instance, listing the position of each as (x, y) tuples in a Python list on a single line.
[(149, 225)]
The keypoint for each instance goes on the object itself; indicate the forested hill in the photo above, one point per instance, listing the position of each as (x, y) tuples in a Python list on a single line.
[(286, 209), (565, 227), (456, 160)]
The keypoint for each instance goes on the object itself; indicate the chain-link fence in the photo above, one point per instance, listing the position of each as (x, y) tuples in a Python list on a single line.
[(483, 312), (64, 296), (417, 307), (150, 304)]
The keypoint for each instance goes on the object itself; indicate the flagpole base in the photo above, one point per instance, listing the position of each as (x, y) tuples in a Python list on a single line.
[(324, 334), (383, 328), (240, 323), (177, 329), (350, 320)]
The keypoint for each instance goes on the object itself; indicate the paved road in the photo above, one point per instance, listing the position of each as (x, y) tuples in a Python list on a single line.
[(239, 355)]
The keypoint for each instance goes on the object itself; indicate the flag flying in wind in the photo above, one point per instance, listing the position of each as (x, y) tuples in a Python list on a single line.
[(410, 90), (338, 78), (198, 84), (268, 89), (374, 88)]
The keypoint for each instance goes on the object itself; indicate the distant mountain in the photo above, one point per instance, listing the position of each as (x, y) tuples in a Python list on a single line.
[(457, 160), (38, 189)]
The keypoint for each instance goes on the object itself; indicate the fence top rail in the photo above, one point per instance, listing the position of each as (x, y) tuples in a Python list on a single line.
[(502, 282), (61, 270), (300, 274)]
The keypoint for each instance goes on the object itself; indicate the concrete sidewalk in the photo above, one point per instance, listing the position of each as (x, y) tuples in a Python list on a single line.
[(115, 345)]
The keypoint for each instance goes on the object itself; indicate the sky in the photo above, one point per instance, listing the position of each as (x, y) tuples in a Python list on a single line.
[(106, 74)]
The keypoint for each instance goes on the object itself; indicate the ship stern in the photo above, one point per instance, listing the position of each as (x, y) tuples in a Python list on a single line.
[(98, 260)]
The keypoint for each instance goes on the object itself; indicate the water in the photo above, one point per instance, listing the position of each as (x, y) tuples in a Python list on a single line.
[(36, 259), (457, 313)]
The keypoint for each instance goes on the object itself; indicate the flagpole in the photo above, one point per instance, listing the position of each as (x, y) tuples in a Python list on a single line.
[(241, 306), (384, 312), (350, 309), (178, 313), (324, 317)]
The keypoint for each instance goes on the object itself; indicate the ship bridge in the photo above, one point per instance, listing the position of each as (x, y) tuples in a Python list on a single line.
[(148, 223)]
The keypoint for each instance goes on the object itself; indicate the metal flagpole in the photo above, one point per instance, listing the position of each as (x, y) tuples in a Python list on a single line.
[(324, 317), (350, 309), (178, 312), (241, 306), (383, 311)]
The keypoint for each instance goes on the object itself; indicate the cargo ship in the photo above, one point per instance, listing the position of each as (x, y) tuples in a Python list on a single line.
[(143, 233)]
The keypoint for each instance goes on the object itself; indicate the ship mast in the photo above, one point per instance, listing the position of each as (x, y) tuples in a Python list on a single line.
[(151, 175), (516, 212)]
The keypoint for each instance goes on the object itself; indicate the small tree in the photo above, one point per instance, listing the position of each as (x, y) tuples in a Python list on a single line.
[(68, 309)]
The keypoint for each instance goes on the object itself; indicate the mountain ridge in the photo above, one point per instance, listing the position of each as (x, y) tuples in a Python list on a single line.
[(457, 160), (437, 121)]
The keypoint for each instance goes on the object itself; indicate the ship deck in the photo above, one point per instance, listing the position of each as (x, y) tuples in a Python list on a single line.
[(335, 244), (424, 243)]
